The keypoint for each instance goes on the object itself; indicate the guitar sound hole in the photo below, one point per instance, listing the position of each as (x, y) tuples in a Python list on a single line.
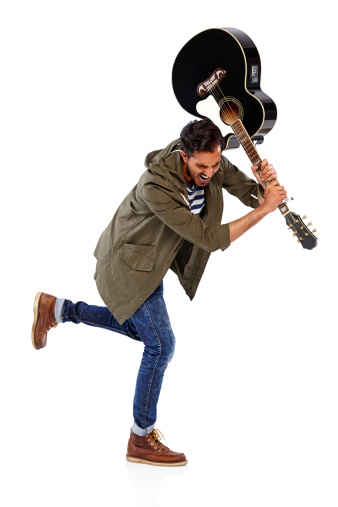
[(230, 110)]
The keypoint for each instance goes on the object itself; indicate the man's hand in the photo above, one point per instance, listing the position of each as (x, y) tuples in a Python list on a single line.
[(268, 172), (274, 195)]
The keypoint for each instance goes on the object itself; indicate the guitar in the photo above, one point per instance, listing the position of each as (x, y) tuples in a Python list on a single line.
[(216, 75)]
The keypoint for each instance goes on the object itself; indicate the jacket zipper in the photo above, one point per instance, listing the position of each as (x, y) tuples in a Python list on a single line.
[(186, 200)]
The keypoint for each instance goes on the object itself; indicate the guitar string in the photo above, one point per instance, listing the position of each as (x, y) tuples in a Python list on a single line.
[(225, 107), (223, 99), (226, 113), (226, 110), (219, 97)]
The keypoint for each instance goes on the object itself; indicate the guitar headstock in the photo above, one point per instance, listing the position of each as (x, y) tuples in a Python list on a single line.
[(305, 237)]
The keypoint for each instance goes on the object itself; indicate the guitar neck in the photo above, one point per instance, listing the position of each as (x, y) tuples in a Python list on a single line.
[(244, 138), (250, 149)]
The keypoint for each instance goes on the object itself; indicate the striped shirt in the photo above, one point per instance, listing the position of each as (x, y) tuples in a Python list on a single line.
[(196, 199)]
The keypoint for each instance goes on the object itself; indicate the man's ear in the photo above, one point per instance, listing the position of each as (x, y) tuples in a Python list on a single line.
[(183, 155)]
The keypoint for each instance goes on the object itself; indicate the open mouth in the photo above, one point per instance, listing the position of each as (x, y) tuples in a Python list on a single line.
[(203, 178)]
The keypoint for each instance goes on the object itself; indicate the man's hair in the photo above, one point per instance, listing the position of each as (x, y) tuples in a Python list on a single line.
[(201, 135)]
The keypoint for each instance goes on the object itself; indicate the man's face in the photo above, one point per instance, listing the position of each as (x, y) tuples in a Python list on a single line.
[(201, 166)]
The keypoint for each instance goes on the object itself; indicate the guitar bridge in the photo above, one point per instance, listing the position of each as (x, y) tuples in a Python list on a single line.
[(209, 84)]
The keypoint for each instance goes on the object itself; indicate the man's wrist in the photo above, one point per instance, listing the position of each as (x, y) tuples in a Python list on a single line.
[(260, 192)]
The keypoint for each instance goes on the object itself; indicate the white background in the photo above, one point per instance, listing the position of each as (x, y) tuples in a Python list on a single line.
[(251, 395)]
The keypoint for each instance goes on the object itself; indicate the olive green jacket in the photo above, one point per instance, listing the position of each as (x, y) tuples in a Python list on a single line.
[(154, 230)]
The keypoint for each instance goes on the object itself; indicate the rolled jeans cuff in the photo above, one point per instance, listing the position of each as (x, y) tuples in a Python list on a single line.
[(142, 432), (58, 310)]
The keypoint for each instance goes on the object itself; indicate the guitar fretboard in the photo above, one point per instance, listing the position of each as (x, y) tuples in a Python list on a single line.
[(246, 142), (250, 149)]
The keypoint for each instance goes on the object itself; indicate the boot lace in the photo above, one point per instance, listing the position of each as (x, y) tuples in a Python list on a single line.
[(154, 438)]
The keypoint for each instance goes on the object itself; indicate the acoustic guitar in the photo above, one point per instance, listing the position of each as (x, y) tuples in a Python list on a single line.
[(216, 75)]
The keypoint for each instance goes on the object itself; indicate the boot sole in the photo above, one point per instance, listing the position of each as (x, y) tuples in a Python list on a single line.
[(156, 463), (36, 314)]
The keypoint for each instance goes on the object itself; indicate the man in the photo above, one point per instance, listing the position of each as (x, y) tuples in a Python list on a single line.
[(170, 219)]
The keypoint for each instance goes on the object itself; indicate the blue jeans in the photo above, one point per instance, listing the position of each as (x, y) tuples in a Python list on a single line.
[(149, 324)]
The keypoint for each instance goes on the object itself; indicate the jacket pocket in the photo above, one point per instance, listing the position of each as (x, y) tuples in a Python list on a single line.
[(138, 257), (130, 267)]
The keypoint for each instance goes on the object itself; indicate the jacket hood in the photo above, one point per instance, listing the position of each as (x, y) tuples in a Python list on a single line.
[(166, 162)]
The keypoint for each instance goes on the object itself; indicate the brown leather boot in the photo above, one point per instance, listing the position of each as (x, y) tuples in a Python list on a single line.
[(151, 451), (44, 319)]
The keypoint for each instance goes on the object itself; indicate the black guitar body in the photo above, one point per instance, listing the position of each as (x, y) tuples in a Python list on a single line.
[(232, 50)]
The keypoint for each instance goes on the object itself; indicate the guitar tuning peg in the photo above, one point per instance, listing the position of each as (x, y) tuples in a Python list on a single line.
[(314, 230), (304, 217), (294, 234), (310, 223)]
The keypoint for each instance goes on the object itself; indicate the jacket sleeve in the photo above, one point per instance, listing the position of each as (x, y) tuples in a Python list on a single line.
[(239, 184), (179, 218)]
